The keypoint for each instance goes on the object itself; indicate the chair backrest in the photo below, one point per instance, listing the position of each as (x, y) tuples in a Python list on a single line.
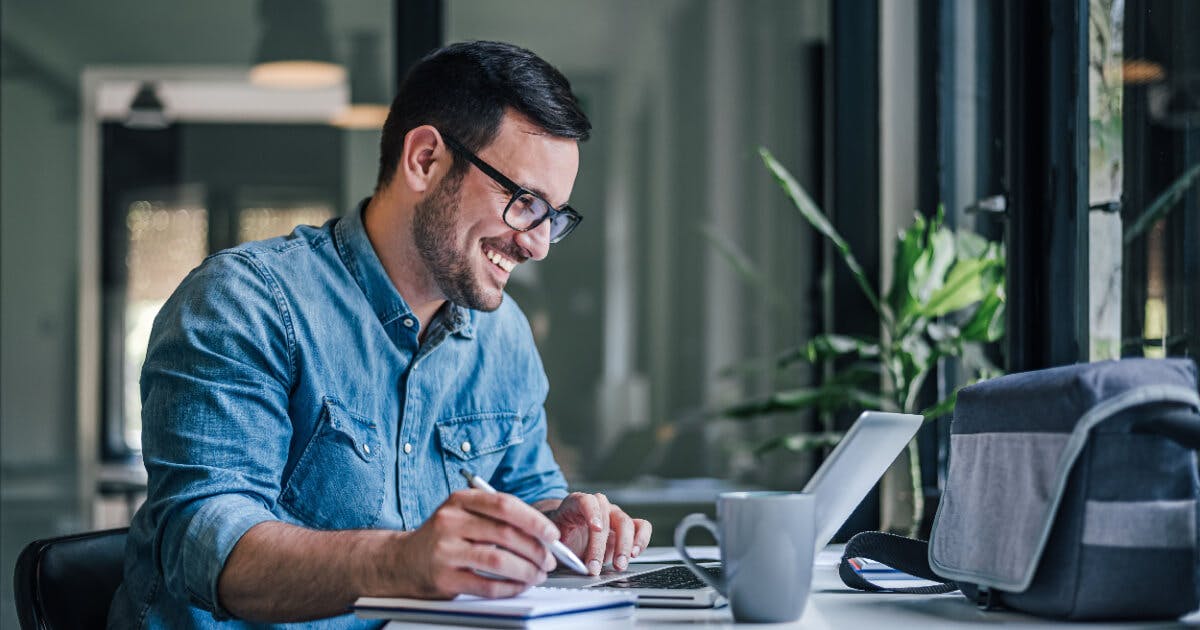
[(69, 581)]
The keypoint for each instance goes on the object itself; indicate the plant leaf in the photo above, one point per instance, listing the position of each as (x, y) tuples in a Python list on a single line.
[(828, 397), (975, 359), (963, 287), (987, 321), (941, 407), (909, 245), (931, 267), (742, 264), (968, 244), (859, 373), (798, 442), (812, 213), (820, 348), (1162, 204), (831, 346)]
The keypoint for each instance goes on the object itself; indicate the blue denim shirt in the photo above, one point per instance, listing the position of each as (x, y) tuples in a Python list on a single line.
[(284, 381)]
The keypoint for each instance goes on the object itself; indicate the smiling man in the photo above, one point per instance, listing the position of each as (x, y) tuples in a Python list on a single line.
[(308, 401)]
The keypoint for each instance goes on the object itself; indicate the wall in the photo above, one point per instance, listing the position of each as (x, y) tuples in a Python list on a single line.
[(46, 47), (37, 322)]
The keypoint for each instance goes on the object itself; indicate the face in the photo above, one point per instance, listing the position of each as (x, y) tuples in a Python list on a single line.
[(459, 228)]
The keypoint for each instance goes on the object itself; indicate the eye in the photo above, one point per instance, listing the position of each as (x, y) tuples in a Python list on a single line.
[(525, 205)]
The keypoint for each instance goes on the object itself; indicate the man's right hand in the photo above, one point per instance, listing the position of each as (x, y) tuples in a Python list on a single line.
[(279, 572), (473, 531)]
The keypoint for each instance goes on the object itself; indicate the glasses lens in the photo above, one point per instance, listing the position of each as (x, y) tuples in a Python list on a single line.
[(561, 225), (524, 210)]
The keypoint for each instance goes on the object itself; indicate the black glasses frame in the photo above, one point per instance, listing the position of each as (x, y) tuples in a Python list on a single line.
[(516, 191)]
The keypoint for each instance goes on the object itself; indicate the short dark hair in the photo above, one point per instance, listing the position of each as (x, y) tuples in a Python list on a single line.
[(463, 90)]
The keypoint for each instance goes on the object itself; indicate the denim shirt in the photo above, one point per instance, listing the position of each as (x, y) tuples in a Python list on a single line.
[(285, 381)]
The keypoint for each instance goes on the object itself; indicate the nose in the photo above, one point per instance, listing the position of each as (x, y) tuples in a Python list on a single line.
[(536, 242)]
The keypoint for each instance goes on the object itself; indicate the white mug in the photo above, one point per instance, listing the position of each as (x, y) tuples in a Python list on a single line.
[(766, 541)]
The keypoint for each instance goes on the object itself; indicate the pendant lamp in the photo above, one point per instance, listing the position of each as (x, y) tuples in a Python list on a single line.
[(368, 108), (294, 48), (146, 111)]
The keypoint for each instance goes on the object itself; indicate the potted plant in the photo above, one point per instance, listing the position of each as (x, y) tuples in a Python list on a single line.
[(945, 299)]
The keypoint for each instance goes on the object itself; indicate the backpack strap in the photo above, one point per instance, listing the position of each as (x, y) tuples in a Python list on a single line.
[(1181, 425), (903, 554)]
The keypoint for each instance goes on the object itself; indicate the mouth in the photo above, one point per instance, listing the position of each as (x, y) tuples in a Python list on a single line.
[(500, 260)]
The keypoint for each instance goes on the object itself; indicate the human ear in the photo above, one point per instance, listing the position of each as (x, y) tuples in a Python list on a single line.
[(424, 158)]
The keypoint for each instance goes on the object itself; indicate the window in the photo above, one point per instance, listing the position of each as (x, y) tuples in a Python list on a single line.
[(1144, 109), (254, 182), (166, 240)]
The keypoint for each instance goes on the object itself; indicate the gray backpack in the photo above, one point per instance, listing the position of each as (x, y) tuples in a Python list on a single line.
[(1072, 493)]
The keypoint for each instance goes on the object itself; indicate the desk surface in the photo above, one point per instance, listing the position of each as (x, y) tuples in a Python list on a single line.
[(832, 606), (842, 609), (846, 609)]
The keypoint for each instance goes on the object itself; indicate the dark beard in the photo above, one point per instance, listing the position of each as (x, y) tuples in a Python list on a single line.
[(434, 233)]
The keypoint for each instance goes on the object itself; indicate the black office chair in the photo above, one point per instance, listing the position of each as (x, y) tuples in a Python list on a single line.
[(69, 581)]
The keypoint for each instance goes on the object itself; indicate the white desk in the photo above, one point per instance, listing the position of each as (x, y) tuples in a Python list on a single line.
[(832, 606), (851, 610)]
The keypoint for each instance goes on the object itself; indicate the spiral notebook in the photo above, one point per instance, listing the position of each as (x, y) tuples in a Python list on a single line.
[(535, 608)]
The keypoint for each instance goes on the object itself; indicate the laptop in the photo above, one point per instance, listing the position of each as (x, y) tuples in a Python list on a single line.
[(845, 477)]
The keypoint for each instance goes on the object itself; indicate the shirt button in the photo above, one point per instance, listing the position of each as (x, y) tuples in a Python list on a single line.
[(408, 322), (466, 447), (367, 449), (407, 447)]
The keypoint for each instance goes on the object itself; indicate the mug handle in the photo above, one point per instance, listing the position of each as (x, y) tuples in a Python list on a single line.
[(681, 530)]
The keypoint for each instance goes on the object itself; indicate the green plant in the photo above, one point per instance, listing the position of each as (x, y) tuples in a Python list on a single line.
[(945, 299)]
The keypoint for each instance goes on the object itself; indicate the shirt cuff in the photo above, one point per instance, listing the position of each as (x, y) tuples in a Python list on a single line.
[(211, 535)]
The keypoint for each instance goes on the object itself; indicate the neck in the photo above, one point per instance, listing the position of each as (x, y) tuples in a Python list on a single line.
[(388, 222)]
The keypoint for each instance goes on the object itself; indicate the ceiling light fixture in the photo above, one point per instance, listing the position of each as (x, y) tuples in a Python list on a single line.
[(146, 111), (368, 108), (295, 50)]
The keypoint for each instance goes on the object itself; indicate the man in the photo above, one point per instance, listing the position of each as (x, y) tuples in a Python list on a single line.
[(308, 401)]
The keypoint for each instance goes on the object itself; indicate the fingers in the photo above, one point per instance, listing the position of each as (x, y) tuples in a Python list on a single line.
[(491, 533), (508, 509), (480, 532), (602, 532), (499, 564), (623, 530), (472, 583), (641, 536), (586, 518)]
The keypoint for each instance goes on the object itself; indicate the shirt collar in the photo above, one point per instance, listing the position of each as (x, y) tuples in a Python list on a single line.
[(357, 253)]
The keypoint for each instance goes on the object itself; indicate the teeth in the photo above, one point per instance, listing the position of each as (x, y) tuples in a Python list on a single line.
[(501, 261)]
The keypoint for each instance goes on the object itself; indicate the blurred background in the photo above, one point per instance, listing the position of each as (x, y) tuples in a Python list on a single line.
[(136, 137)]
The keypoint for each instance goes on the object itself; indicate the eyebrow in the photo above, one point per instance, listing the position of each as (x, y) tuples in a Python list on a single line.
[(537, 191)]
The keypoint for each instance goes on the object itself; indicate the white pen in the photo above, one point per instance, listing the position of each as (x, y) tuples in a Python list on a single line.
[(560, 551)]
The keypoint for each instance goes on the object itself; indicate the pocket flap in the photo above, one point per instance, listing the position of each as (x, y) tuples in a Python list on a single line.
[(360, 431), (469, 437)]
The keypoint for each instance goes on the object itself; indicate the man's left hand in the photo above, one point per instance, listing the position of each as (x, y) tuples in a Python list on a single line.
[(598, 531)]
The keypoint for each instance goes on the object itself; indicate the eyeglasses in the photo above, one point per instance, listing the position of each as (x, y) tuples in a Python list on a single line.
[(526, 209)]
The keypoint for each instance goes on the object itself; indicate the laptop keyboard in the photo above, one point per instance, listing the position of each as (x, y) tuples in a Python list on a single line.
[(679, 577)]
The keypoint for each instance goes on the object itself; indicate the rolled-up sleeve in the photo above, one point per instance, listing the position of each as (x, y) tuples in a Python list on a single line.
[(215, 424)]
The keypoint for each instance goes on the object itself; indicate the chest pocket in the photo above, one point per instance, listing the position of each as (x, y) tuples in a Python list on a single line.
[(478, 443), (338, 482)]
